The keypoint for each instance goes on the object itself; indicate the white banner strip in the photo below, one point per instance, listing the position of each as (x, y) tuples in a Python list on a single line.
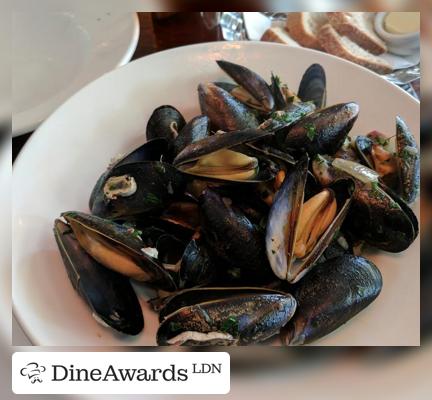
[(120, 373)]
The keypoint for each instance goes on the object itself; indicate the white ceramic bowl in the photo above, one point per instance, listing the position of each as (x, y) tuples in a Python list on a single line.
[(401, 44), (54, 173)]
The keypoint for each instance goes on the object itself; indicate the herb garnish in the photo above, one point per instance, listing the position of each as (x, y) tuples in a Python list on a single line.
[(310, 131), (152, 199), (276, 79), (174, 326), (230, 325)]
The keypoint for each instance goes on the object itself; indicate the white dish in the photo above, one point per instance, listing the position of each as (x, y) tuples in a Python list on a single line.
[(57, 53), (55, 173)]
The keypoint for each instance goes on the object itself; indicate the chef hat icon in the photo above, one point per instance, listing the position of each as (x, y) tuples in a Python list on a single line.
[(32, 371)]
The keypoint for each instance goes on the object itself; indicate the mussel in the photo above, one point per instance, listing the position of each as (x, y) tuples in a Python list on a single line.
[(251, 82), (233, 238), (153, 150), (214, 158), (313, 86), (299, 231), (398, 168), (377, 215), (323, 131), (119, 248), (165, 122), (330, 295), (224, 110), (136, 188), (197, 267), (109, 294), (196, 129), (226, 318)]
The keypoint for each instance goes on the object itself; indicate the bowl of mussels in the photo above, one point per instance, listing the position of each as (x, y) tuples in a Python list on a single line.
[(249, 221)]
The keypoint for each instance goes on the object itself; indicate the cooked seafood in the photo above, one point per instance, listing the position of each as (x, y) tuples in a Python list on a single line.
[(246, 218)]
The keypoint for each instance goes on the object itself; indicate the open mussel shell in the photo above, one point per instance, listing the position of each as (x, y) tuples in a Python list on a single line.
[(313, 86), (333, 293), (323, 131), (109, 295), (224, 110), (153, 150), (250, 81), (377, 214), (245, 318), (283, 226), (214, 158), (196, 129), (165, 122), (117, 247), (233, 238), (137, 188), (408, 162)]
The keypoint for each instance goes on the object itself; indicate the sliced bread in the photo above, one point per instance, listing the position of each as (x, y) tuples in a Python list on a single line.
[(342, 46), (303, 27), (279, 35), (359, 27)]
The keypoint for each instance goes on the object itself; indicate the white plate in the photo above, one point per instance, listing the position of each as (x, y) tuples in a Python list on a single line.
[(55, 173), (57, 53)]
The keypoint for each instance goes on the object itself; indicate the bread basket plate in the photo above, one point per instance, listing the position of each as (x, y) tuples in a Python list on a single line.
[(59, 165)]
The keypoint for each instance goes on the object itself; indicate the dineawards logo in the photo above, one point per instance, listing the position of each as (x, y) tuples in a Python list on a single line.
[(120, 373), (33, 371), (111, 374)]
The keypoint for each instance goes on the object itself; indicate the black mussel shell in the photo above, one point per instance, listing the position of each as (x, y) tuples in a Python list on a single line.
[(233, 238), (196, 129), (333, 293), (109, 294), (165, 122), (313, 86), (156, 185), (323, 131), (153, 150), (243, 319), (224, 110), (250, 81)]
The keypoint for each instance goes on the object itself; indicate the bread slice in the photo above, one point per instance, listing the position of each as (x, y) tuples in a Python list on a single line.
[(304, 26), (279, 35), (342, 46), (359, 27)]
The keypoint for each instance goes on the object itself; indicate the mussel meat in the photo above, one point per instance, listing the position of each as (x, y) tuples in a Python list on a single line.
[(299, 231), (119, 248)]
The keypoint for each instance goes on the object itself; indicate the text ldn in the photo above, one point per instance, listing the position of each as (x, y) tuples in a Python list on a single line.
[(62, 373)]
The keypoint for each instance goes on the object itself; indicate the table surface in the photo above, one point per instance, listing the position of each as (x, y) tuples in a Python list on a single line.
[(158, 31)]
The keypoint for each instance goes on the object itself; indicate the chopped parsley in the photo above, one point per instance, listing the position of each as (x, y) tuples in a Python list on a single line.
[(310, 131), (376, 190), (282, 117), (174, 326), (152, 199), (382, 141), (230, 325), (276, 79)]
